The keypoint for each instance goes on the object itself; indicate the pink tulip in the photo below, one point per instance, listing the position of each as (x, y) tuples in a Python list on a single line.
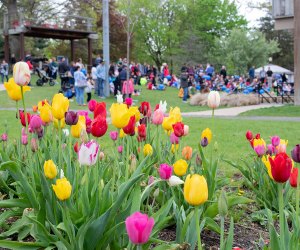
[(34, 144), (275, 140), (113, 135), (139, 227), (120, 149), (260, 150), (158, 117), (270, 149), (150, 180), (35, 123), (4, 137), (92, 105), (281, 148), (165, 171), (186, 130), (174, 139), (128, 101), (24, 138)]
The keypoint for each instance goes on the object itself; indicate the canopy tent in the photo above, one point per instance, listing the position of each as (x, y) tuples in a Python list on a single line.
[(277, 70)]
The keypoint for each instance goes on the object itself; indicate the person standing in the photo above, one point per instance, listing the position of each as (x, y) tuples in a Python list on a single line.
[(269, 77), (100, 72), (262, 75), (184, 83), (53, 68), (12, 62), (4, 71), (94, 78), (223, 72), (80, 85), (251, 74)]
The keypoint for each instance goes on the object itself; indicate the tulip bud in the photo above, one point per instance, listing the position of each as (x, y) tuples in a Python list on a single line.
[(175, 181), (76, 147), (132, 163), (21, 73), (150, 180), (249, 135), (4, 137), (128, 101), (296, 153), (71, 118), (294, 177), (120, 149), (101, 156), (223, 204), (113, 135), (204, 142), (275, 140), (156, 193), (165, 171), (92, 105), (40, 132), (24, 139), (34, 144), (186, 130), (257, 136), (198, 160), (34, 108)]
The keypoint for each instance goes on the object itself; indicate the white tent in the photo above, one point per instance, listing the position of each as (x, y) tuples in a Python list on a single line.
[(277, 70)]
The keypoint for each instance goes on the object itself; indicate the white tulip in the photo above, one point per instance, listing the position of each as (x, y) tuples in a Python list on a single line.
[(66, 132), (163, 106), (21, 73), (88, 153), (120, 98), (213, 99), (61, 174), (175, 181)]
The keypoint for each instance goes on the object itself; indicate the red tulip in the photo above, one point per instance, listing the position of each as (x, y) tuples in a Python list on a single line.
[(129, 129), (142, 131), (99, 127), (100, 109), (257, 136), (76, 147), (294, 177), (178, 128), (281, 167), (22, 118), (145, 109), (249, 135)]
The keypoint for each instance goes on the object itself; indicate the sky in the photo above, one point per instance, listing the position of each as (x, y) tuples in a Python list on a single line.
[(250, 13)]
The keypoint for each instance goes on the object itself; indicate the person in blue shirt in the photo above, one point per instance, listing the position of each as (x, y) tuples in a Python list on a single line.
[(100, 72), (210, 70), (251, 74)]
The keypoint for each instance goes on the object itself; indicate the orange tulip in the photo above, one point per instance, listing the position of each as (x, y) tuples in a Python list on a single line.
[(187, 152)]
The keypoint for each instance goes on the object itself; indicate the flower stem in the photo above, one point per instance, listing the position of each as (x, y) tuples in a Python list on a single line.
[(59, 146), (281, 215), (298, 193), (222, 233), (198, 228), (24, 106), (139, 247)]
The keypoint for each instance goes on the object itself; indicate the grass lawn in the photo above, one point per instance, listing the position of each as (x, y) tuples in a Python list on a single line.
[(46, 92), (286, 110)]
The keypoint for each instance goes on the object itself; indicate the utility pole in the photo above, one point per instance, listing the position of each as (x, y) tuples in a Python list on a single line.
[(105, 20), (297, 52)]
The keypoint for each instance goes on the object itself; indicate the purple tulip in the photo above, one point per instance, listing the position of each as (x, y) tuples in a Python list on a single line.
[(204, 142), (71, 118), (296, 153)]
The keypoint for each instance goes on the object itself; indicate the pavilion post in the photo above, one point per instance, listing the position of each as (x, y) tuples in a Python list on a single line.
[(90, 59), (6, 48), (72, 50), (297, 52), (105, 20), (22, 46)]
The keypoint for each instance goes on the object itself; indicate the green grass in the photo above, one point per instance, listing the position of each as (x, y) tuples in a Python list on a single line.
[(46, 92), (284, 111)]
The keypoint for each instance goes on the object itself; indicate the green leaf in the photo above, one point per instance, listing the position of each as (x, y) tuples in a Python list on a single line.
[(212, 225), (229, 240), (212, 210), (136, 199), (21, 245), (11, 203), (168, 247), (274, 239)]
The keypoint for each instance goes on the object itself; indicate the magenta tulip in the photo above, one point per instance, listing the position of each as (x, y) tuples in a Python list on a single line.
[(128, 101), (174, 139), (92, 105), (165, 171), (275, 140), (120, 149), (113, 135), (4, 137), (35, 123), (139, 227)]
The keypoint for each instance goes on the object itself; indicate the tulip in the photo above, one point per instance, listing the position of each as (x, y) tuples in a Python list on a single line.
[(296, 153), (100, 110), (120, 149), (88, 153), (174, 139), (101, 156), (119, 117), (21, 73), (76, 147), (99, 126), (195, 189), (76, 129), (40, 132), (4, 137), (165, 171), (139, 227), (34, 144), (174, 148), (122, 134), (204, 142), (186, 130), (92, 105), (180, 167), (71, 118), (128, 102), (62, 189), (178, 128), (60, 105), (158, 117), (206, 133), (275, 140), (168, 122), (148, 150), (294, 177), (281, 167), (119, 98), (163, 106), (14, 91), (259, 147), (176, 114), (270, 149), (145, 109), (142, 132), (113, 135), (34, 108), (281, 148), (22, 118), (187, 153), (150, 180), (46, 113), (267, 163), (213, 99), (35, 123), (24, 137), (257, 136), (249, 135), (198, 160), (50, 169), (129, 129), (175, 181)]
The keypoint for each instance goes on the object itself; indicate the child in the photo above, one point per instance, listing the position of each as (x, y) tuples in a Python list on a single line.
[(88, 89), (128, 88)]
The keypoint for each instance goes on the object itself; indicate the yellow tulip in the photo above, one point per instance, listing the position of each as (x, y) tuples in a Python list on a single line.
[(259, 142), (122, 134), (50, 169), (133, 110), (175, 112), (60, 105), (119, 115), (168, 122), (62, 189), (62, 123), (21, 73), (14, 90), (207, 133), (180, 167), (195, 189), (42, 103), (267, 163), (80, 125), (174, 147), (148, 150), (46, 113)]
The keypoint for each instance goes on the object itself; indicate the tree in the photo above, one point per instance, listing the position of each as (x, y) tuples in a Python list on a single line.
[(241, 50)]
